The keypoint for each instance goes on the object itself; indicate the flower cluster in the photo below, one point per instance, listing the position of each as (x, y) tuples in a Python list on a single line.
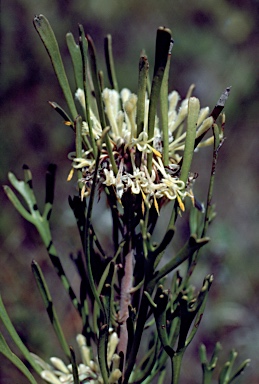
[(130, 150), (138, 150), (88, 370)]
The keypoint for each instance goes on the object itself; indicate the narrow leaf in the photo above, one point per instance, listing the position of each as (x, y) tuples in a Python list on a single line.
[(47, 299), (16, 338), (48, 38), (75, 54), (163, 42), (5, 350), (192, 118), (110, 62)]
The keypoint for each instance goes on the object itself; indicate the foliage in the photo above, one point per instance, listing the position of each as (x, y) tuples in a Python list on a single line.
[(141, 166)]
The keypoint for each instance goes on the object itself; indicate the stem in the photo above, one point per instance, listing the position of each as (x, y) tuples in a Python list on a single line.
[(142, 317), (126, 285), (137, 338), (217, 146), (78, 129), (176, 367)]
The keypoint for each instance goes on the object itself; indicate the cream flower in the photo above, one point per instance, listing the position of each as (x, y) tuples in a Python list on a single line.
[(131, 151), (88, 371)]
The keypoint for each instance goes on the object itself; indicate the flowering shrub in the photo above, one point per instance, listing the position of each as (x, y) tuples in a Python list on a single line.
[(134, 150)]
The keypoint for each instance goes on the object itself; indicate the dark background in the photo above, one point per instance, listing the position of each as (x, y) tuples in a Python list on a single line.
[(216, 45)]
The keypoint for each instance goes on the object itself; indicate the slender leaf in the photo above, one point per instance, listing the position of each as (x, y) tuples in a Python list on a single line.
[(48, 38), (5, 350), (16, 338)]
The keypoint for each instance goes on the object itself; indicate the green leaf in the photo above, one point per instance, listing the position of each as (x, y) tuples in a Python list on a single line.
[(48, 38), (62, 113), (142, 89), (74, 367), (161, 300), (192, 118), (16, 338), (191, 246), (199, 306), (164, 108), (5, 350), (208, 367), (110, 63), (239, 370), (163, 41), (96, 82), (225, 376), (84, 51), (17, 204), (41, 222), (47, 299), (99, 99), (215, 113), (75, 54), (102, 352)]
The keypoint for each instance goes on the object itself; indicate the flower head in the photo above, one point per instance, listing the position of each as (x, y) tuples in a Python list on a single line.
[(130, 150)]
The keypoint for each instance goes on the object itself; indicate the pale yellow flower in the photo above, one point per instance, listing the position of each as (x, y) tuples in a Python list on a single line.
[(88, 371), (121, 112)]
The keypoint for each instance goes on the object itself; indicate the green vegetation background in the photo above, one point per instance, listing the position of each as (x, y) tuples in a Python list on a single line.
[(216, 45)]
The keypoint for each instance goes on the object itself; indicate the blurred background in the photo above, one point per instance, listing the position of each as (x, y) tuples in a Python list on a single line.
[(216, 45)]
